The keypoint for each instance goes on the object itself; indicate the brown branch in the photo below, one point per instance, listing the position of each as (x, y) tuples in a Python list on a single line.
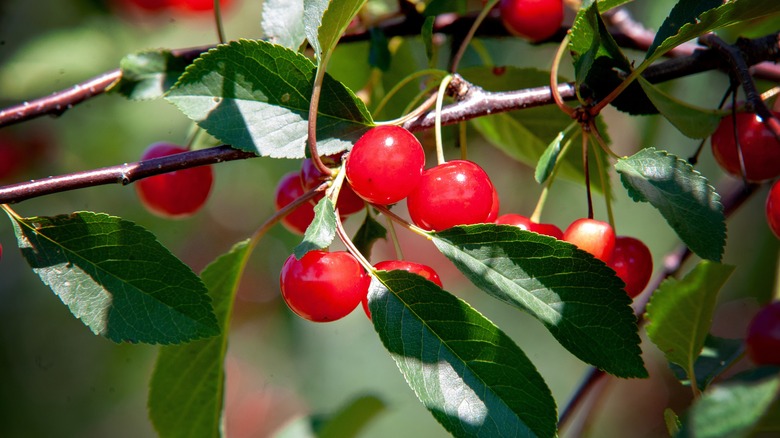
[(122, 174)]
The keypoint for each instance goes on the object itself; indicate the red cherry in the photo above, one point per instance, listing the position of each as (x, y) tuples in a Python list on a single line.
[(633, 263), (454, 193), (595, 237), (415, 268), (288, 190), (174, 194), (535, 20), (348, 203), (149, 5), (526, 224), (323, 286), (385, 164), (494, 209), (773, 208), (760, 148), (11, 158), (763, 336), (199, 5)]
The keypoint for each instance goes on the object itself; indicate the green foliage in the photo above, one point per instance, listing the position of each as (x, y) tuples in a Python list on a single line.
[(186, 391), (692, 121), (117, 278), (680, 313), (566, 289), (320, 233), (546, 164), (681, 194), (684, 12), (468, 373), (255, 96), (325, 21), (149, 74), (282, 22), (349, 421), (717, 356)]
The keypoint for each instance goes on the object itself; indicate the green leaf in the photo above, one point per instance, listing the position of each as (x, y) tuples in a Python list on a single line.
[(605, 5), (576, 296), (282, 22), (350, 419), (672, 421), (692, 121), (117, 278), (255, 96), (149, 74), (320, 233), (186, 391), (427, 38), (733, 409), (681, 194), (684, 12), (368, 233), (470, 375), (728, 13), (546, 164), (326, 20), (680, 312), (379, 55), (718, 355)]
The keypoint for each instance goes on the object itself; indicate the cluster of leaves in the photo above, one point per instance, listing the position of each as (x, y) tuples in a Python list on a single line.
[(474, 379)]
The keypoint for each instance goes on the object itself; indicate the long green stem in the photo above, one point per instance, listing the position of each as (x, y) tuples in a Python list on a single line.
[(400, 221), (470, 35), (351, 246), (554, 78), (218, 20), (586, 168), (399, 254), (439, 101), (607, 199), (405, 81)]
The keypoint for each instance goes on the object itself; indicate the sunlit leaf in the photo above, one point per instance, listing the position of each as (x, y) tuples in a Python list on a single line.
[(326, 20), (470, 375), (117, 278), (186, 391), (681, 194), (282, 22), (320, 233), (576, 296)]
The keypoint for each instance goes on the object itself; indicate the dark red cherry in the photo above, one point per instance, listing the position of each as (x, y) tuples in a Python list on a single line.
[(763, 336), (773, 208), (288, 190), (760, 149), (633, 263)]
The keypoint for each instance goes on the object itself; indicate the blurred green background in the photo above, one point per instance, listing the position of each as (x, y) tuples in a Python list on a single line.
[(61, 380)]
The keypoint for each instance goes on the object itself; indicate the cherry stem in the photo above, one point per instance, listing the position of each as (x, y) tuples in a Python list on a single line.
[(400, 221), (218, 20), (607, 199), (7, 208), (537, 214), (470, 35), (439, 101), (412, 114), (554, 78), (399, 254), (594, 129), (586, 168), (351, 245), (313, 110), (397, 88)]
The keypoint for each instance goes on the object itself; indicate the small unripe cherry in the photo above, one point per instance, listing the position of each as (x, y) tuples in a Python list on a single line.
[(385, 164), (288, 190), (773, 208), (763, 336), (593, 236), (525, 223), (423, 271), (323, 286), (633, 263), (176, 194)]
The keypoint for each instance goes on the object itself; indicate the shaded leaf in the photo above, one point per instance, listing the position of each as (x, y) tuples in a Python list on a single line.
[(576, 296), (368, 233), (379, 55), (321, 231), (427, 38), (681, 194), (733, 409), (350, 419), (255, 96), (149, 74), (117, 278), (692, 121), (282, 22), (679, 313), (187, 386), (465, 370), (718, 355)]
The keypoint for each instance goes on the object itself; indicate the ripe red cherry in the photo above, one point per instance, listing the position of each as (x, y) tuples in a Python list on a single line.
[(760, 148), (495, 207), (288, 190), (175, 194), (424, 271), (454, 193), (633, 263), (385, 164), (595, 237), (773, 208), (526, 224), (348, 203), (323, 286), (199, 5), (763, 336), (535, 20), (150, 5)]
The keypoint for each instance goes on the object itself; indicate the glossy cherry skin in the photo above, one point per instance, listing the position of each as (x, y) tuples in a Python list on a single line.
[(633, 263), (424, 271), (760, 148), (773, 208), (763, 336), (288, 190), (454, 193), (348, 202), (595, 237), (494, 208), (199, 5), (323, 286), (535, 20), (525, 223), (175, 194), (385, 164)]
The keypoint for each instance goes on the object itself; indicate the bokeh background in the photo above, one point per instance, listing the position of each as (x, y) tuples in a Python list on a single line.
[(58, 379)]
